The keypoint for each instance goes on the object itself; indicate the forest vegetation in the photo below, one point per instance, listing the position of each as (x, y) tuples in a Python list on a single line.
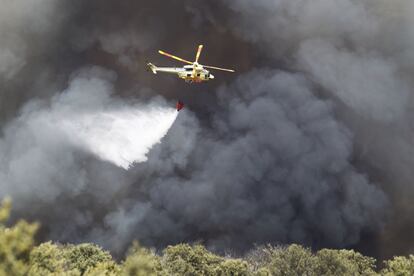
[(21, 255)]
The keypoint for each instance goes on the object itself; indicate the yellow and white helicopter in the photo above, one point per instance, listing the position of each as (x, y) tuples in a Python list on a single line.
[(193, 73)]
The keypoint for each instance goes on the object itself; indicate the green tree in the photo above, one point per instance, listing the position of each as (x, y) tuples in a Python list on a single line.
[(141, 262), (48, 259), (399, 266), (108, 268), (184, 259), (83, 259), (19, 256), (16, 242), (233, 267), (85, 256), (343, 262), (291, 260)]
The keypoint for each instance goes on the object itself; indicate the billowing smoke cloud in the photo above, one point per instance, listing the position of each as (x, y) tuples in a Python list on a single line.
[(275, 168), (18, 17), (119, 134), (91, 121), (47, 138), (310, 142)]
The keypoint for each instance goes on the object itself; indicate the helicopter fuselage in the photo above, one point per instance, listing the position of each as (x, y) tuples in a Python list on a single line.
[(189, 73)]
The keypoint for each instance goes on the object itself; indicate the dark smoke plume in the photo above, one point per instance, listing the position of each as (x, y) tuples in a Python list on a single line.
[(310, 142)]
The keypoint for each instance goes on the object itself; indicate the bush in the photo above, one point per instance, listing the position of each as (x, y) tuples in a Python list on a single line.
[(399, 266), (142, 262), (183, 259), (292, 260), (108, 268), (16, 243), (85, 256), (47, 259), (83, 259), (344, 262), (234, 267)]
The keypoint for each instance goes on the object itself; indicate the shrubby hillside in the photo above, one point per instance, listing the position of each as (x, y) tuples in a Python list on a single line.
[(20, 255)]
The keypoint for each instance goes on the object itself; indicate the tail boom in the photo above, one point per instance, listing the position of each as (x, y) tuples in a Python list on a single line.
[(152, 67)]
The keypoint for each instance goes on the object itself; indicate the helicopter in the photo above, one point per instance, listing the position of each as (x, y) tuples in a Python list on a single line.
[(192, 73)]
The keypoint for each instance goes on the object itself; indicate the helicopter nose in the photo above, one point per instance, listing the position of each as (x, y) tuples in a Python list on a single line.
[(211, 76)]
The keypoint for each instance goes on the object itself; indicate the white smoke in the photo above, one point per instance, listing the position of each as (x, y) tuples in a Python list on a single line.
[(123, 136), (49, 140)]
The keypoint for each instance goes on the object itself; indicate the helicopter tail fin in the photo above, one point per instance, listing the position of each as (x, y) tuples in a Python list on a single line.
[(152, 67)]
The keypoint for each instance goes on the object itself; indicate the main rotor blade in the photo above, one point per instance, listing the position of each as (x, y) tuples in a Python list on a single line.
[(200, 48), (174, 57), (218, 68)]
